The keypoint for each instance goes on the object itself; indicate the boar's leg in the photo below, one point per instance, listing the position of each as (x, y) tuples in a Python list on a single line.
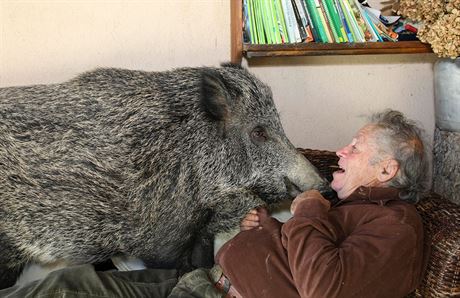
[(11, 262), (230, 208), (202, 255), (8, 276)]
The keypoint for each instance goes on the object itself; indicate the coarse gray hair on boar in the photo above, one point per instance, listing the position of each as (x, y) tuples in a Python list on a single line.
[(138, 163)]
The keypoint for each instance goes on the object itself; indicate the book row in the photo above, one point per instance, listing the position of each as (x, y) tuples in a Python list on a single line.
[(328, 21)]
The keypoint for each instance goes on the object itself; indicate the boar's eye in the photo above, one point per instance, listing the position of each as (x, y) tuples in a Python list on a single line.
[(259, 135)]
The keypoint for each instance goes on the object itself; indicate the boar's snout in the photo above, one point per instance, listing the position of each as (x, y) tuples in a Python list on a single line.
[(304, 176), (294, 190)]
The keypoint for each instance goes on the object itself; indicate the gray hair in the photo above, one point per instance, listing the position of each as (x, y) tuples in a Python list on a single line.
[(403, 140)]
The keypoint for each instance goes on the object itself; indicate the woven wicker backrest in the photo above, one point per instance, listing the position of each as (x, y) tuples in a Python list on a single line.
[(441, 219)]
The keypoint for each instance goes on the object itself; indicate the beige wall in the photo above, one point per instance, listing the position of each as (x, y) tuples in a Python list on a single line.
[(321, 99)]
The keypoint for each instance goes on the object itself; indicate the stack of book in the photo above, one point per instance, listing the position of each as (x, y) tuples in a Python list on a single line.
[(328, 21)]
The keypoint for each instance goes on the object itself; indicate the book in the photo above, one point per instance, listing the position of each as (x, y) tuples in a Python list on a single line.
[(362, 27), (252, 17), (247, 26), (330, 22), (267, 21), (263, 20), (297, 5), (342, 36), (259, 23), (358, 36), (312, 10), (302, 32), (383, 30), (324, 21), (311, 26), (370, 26), (343, 21), (291, 23), (274, 22), (281, 21)]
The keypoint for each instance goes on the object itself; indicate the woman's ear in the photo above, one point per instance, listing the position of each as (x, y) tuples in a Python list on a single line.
[(387, 170)]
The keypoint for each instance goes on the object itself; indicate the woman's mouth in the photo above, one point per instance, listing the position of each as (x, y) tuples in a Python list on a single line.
[(339, 169)]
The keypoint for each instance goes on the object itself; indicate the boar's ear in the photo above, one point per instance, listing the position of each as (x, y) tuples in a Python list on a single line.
[(215, 97)]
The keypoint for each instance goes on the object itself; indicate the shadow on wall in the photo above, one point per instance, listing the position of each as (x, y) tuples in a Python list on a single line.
[(340, 60)]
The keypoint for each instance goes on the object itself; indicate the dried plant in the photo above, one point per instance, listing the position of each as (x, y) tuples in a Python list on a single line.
[(440, 23)]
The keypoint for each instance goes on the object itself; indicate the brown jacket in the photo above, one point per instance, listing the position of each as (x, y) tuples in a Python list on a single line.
[(368, 245)]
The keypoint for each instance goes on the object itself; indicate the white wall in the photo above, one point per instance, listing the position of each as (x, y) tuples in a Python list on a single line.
[(320, 99)]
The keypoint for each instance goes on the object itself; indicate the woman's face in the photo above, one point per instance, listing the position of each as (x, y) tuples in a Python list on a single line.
[(356, 168)]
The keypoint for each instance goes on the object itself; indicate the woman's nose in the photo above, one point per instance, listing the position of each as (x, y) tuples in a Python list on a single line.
[(342, 152)]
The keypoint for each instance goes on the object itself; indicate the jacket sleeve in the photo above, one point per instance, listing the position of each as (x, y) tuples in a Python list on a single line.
[(323, 265)]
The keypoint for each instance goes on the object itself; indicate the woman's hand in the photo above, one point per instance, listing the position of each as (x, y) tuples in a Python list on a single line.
[(252, 219), (309, 195)]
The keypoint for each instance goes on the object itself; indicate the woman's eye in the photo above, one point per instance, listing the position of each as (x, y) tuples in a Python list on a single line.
[(259, 134)]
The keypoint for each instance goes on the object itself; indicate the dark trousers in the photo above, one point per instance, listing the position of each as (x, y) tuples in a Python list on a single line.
[(84, 281)]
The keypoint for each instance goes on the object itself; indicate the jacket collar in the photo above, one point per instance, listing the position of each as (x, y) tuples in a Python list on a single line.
[(372, 195)]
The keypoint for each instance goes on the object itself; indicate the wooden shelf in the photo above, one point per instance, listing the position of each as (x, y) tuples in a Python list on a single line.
[(318, 49), (240, 50)]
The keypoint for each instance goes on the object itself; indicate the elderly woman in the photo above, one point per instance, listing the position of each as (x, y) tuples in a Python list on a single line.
[(370, 244)]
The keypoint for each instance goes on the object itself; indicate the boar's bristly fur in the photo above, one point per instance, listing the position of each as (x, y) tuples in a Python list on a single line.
[(138, 163)]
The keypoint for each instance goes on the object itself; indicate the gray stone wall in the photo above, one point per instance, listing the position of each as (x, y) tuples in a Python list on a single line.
[(446, 164)]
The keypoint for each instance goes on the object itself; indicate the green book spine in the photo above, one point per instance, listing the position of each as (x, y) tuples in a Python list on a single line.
[(324, 22), (251, 21), (266, 18), (310, 22), (335, 19), (267, 22), (311, 6), (274, 22), (345, 26), (331, 23), (256, 25), (260, 28), (339, 12), (281, 21)]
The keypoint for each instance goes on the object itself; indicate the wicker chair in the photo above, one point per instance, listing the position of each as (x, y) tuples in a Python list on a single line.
[(441, 219)]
